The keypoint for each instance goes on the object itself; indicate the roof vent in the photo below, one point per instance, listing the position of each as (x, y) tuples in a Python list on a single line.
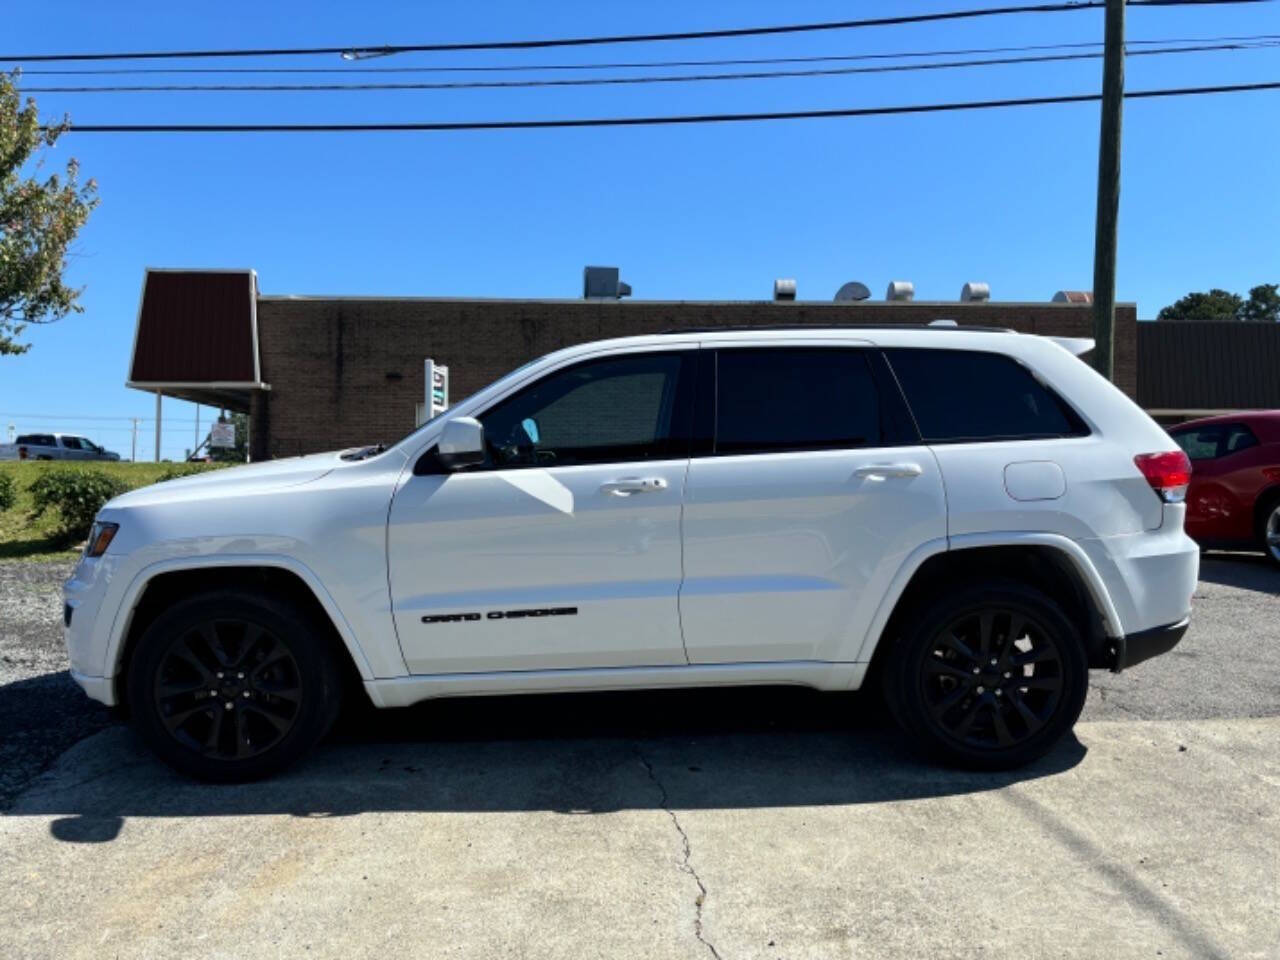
[(784, 288), (602, 283), (1073, 296), (900, 290), (975, 293), (853, 290)]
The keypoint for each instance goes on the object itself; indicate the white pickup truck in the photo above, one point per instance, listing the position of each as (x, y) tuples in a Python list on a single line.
[(54, 446)]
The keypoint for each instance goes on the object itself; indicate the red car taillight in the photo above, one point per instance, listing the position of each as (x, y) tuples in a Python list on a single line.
[(22, 453), (1168, 473)]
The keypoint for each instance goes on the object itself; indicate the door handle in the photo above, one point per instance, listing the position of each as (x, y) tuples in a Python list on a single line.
[(883, 471), (629, 485)]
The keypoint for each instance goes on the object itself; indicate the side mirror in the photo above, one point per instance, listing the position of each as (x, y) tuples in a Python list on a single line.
[(461, 443)]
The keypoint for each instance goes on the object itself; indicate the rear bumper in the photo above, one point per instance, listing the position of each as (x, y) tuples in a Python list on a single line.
[(1134, 648)]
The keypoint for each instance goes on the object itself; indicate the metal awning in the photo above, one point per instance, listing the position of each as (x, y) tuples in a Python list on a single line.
[(197, 337)]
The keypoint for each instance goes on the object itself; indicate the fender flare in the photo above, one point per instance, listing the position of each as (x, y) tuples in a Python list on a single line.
[(1012, 538), (124, 612)]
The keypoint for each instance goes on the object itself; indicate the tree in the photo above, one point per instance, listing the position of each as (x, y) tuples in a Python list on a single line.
[(38, 220), (1214, 305), (1263, 304)]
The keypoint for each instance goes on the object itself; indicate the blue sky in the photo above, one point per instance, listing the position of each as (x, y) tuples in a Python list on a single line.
[(690, 212)]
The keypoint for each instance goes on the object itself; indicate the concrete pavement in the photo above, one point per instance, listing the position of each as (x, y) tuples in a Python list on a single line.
[(1139, 839)]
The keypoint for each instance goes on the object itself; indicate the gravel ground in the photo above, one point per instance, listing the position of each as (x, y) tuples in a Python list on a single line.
[(1228, 665), (42, 712)]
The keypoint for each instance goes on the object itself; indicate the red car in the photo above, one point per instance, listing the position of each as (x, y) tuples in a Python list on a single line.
[(1234, 498)]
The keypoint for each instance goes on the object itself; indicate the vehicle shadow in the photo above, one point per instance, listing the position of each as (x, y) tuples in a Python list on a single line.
[(1247, 571), (575, 755)]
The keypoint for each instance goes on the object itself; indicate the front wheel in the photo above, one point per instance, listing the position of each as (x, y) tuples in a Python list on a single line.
[(233, 686), (989, 677)]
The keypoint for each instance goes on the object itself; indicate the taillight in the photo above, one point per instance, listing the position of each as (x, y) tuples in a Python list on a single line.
[(22, 453), (1168, 473)]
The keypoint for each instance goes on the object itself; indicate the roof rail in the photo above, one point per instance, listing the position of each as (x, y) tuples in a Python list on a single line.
[(757, 327)]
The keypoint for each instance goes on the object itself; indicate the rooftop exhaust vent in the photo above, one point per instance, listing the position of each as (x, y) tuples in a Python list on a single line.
[(975, 293), (1073, 296), (853, 290), (602, 283), (784, 288), (900, 290)]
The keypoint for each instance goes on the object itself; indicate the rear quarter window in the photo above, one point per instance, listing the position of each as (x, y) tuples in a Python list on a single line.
[(960, 396)]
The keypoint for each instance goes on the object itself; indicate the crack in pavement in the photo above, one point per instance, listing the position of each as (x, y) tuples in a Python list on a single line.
[(685, 863)]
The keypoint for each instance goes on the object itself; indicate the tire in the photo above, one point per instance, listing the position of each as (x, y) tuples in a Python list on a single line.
[(987, 720), (1269, 529), (260, 663)]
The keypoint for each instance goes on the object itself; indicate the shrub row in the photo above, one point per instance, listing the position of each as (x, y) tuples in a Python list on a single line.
[(77, 494)]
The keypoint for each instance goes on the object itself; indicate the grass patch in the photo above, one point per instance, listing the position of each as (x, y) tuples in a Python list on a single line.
[(25, 536)]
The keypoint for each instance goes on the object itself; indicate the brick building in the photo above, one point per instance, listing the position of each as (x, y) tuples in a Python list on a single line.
[(322, 373)]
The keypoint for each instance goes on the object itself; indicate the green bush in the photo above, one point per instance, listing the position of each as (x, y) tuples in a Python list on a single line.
[(77, 495), (188, 469), (8, 492)]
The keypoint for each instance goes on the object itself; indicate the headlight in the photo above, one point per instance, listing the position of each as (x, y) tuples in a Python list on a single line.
[(100, 537)]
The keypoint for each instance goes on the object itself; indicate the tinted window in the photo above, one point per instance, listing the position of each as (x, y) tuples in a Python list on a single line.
[(1215, 440), (959, 395), (37, 440), (73, 443), (770, 400), (618, 409), (1201, 443), (1238, 437)]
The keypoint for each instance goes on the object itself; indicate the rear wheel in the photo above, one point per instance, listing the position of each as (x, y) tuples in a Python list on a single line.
[(233, 686), (989, 676), (1270, 530)]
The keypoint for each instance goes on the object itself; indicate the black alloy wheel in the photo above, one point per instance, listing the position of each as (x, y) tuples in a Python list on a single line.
[(988, 676), (234, 685), (228, 689), (993, 679)]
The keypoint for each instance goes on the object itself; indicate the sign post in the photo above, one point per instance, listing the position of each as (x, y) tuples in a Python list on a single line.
[(435, 376), (222, 434)]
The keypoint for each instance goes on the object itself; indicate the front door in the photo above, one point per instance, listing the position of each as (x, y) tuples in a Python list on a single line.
[(815, 490), (562, 550)]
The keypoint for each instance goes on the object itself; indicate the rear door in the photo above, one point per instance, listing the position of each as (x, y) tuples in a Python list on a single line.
[(803, 501)]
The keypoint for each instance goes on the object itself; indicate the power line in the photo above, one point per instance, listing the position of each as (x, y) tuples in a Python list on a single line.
[(356, 51), (631, 80), (638, 64), (682, 119)]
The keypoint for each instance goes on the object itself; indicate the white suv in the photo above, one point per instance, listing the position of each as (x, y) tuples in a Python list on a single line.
[(972, 518)]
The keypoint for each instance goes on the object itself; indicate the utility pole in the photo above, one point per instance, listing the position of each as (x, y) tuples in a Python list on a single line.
[(1104, 238), (134, 455)]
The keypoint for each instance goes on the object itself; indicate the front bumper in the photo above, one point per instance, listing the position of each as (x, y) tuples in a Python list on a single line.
[(1130, 650), (101, 689)]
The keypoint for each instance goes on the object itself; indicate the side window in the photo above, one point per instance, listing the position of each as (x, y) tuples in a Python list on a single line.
[(72, 443), (601, 411), (770, 400), (966, 395), (1215, 440), (1238, 437), (1200, 443)]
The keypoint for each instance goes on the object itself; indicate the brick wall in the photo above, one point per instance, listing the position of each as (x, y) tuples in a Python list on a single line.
[(348, 372)]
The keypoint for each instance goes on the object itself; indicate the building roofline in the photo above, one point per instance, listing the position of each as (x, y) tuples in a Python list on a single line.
[(839, 305)]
